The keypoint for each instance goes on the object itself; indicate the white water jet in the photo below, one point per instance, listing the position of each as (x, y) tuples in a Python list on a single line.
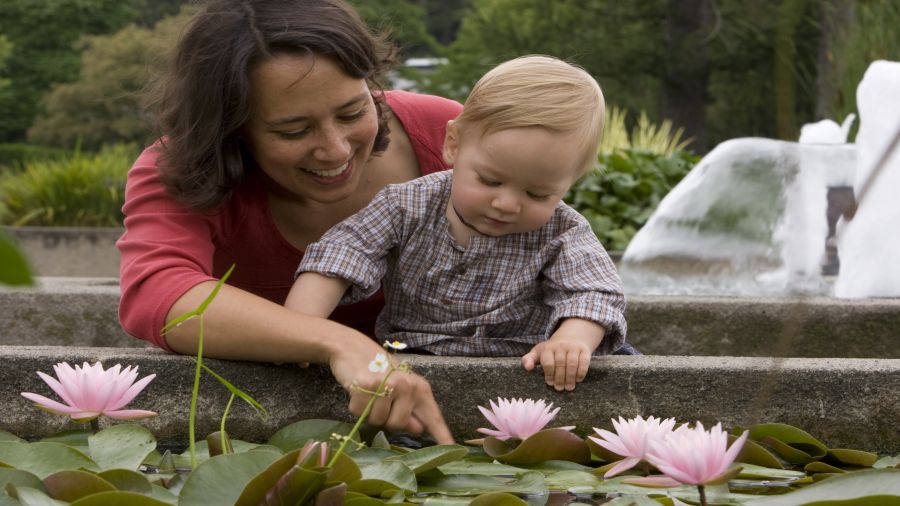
[(748, 219), (869, 245)]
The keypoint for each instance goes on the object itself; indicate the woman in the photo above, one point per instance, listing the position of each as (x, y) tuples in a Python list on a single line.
[(274, 130)]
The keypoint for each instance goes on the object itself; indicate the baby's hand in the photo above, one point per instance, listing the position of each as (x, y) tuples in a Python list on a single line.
[(565, 361)]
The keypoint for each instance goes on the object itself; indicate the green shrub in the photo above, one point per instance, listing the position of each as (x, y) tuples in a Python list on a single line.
[(620, 195), (17, 155), (79, 190)]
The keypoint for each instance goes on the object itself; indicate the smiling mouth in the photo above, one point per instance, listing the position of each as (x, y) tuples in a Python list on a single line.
[(329, 173)]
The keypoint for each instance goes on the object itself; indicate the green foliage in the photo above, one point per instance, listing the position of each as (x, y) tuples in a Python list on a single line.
[(79, 190), (587, 32), (871, 35), (403, 20), (103, 105), (42, 33), (13, 267), (645, 136), (620, 195), (14, 156)]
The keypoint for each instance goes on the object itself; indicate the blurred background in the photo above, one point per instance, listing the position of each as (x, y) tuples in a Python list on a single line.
[(680, 77)]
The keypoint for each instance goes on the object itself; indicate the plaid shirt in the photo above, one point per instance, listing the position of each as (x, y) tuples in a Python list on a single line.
[(497, 297)]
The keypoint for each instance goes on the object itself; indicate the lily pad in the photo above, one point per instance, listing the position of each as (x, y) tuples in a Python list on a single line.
[(486, 468), (295, 485), (529, 483), (425, 459), (127, 481), (768, 473), (296, 435), (377, 478), (866, 487), (43, 459), (28, 496), (753, 453), (21, 478), (548, 444), (498, 499), (76, 438), (822, 467), (6, 436), (220, 480), (368, 456), (71, 485), (122, 446), (788, 452), (119, 497), (561, 481), (344, 470), (887, 462), (790, 435), (850, 457)]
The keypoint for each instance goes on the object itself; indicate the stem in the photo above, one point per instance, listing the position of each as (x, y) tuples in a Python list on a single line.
[(222, 425), (192, 414), (362, 417), (702, 490), (95, 425)]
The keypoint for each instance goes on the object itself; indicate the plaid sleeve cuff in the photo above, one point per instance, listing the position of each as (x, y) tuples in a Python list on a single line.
[(604, 309), (336, 260)]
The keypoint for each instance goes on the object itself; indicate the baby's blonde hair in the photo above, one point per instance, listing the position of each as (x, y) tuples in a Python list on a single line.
[(541, 91)]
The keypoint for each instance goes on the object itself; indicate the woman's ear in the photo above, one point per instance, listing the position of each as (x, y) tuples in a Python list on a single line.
[(451, 143)]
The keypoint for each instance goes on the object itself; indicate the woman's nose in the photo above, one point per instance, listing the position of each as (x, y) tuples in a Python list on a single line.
[(332, 145)]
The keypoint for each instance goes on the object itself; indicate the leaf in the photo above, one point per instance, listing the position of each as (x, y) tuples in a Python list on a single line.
[(850, 457), (76, 438), (380, 441), (821, 467), (214, 444), (788, 452), (21, 478), (13, 266), (119, 497), (202, 307), (887, 462), (488, 468), (382, 476), (295, 435), (287, 477), (529, 483), (548, 444), (753, 453), (860, 488), (28, 496), (754, 471), (331, 496), (790, 435), (261, 411), (498, 499), (122, 446), (425, 459), (344, 470), (6, 436), (560, 481), (368, 456), (221, 480), (43, 459), (127, 481), (71, 485)]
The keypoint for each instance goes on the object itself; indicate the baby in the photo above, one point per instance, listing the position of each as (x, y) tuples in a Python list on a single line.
[(486, 259)]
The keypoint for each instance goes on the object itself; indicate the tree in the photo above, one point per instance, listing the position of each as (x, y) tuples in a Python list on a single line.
[(103, 105), (42, 33)]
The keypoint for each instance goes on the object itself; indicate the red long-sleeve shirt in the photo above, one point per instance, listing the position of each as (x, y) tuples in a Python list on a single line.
[(167, 249)]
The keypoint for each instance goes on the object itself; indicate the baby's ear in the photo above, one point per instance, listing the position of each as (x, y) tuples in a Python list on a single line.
[(451, 143)]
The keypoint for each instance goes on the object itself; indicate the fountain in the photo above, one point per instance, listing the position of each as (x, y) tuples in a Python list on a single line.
[(750, 218)]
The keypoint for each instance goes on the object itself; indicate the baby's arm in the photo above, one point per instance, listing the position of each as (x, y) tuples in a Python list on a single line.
[(315, 294), (565, 357)]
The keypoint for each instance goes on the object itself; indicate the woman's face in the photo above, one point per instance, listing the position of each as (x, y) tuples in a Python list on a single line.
[(311, 127)]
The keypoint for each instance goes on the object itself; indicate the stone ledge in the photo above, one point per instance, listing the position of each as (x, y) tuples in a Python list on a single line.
[(69, 251), (83, 312), (851, 403)]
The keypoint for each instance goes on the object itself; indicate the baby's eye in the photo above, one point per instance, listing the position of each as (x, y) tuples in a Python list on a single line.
[(488, 182), (538, 196)]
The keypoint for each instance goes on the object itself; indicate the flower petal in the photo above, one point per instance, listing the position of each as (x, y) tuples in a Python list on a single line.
[(622, 466)]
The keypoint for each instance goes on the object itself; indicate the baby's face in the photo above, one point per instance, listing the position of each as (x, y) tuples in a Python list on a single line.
[(510, 181)]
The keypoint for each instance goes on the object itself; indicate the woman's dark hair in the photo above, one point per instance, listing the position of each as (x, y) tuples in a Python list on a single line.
[(204, 99)]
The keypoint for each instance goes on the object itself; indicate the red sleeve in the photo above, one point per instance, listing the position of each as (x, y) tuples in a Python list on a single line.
[(424, 117), (165, 250)]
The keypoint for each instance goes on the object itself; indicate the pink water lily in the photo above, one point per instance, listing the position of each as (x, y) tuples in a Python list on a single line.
[(631, 440), (517, 418), (90, 391), (695, 456)]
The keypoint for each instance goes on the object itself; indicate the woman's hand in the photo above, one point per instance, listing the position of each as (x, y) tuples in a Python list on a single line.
[(409, 407)]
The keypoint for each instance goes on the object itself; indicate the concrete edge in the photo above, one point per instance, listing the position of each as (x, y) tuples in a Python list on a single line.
[(846, 403)]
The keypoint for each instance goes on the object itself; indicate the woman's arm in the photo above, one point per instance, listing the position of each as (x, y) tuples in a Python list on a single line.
[(281, 335)]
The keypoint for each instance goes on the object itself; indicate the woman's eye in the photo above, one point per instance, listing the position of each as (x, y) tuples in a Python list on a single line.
[(293, 135), (353, 116)]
